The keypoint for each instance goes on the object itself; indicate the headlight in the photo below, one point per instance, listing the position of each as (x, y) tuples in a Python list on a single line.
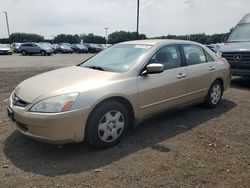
[(219, 54), (56, 104)]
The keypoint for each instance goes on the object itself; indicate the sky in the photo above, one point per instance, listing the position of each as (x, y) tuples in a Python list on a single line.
[(157, 17)]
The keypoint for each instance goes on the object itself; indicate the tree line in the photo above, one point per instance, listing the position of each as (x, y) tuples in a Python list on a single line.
[(115, 37)]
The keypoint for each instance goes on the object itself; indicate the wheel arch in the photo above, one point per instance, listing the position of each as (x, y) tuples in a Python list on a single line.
[(121, 100), (221, 81)]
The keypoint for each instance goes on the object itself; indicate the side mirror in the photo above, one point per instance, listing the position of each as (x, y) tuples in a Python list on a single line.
[(153, 68)]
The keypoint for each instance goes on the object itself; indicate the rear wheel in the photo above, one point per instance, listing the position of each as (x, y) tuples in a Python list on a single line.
[(23, 52), (214, 95), (107, 125), (43, 53)]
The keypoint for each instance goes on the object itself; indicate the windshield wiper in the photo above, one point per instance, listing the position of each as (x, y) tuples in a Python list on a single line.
[(95, 67)]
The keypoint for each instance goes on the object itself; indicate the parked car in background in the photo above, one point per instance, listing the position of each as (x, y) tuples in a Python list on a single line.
[(237, 48), (35, 48), (213, 47), (99, 99), (55, 47), (47, 45), (15, 47), (5, 49), (105, 46), (79, 48), (64, 48), (93, 48)]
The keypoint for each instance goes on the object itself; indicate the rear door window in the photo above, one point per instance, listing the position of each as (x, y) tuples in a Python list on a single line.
[(194, 54)]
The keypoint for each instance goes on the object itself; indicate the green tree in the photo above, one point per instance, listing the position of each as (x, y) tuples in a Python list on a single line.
[(67, 39), (25, 37), (121, 36), (91, 38)]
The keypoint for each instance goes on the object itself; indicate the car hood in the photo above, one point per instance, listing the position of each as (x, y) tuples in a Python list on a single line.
[(235, 46), (62, 81), (5, 49)]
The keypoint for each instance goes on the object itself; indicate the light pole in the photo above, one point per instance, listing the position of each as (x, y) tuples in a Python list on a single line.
[(7, 22), (138, 11), (52, 39), (106, 28)]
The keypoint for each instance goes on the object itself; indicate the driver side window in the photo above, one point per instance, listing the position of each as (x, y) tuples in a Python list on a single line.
[(169, 56)]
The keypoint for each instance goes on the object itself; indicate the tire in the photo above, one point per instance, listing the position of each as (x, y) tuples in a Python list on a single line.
[(214, 95), (107, 125), (24, 52), (43, 53)]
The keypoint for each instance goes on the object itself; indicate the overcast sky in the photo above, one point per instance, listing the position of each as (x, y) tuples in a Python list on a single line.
[(157, 17)]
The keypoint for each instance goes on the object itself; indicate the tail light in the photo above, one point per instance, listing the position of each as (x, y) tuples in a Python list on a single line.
[(229, 68)]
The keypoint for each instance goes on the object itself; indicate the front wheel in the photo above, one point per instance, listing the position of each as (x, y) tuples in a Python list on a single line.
[(107, 125), (214, 95)]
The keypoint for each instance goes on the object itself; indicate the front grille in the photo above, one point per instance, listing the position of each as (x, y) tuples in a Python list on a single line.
[(4, 51), (238, 60), (16, 101), (244, 57)]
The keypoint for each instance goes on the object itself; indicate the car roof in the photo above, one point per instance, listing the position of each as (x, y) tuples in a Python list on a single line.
[(158, 41), (245, 19)]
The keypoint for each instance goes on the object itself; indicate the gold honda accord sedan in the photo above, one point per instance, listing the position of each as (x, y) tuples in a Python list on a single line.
[(100, 98)]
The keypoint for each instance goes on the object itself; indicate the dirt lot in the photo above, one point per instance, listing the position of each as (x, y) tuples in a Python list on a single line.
[(192, 147)]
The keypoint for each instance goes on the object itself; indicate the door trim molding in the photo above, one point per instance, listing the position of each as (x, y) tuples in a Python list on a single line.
[(174, 98)]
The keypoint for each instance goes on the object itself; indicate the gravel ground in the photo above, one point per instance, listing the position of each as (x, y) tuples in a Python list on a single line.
[(191, 147)]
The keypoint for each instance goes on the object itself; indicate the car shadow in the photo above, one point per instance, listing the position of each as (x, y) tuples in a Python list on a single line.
[(51, 160), (241, 83)]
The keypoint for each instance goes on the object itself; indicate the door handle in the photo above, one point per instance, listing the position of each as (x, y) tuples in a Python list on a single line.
[(211, 68), (181, 75)]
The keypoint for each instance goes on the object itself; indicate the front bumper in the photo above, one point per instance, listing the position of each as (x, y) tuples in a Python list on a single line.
[(5, 52), (240, 72), (55, 128)]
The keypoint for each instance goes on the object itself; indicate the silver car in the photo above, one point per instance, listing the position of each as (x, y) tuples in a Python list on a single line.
[(100, 98), (35, 48), (5, 49)]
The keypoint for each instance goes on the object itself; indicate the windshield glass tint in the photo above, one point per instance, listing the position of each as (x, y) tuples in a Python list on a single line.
[(119, 58), (240, 34), (45, 44)]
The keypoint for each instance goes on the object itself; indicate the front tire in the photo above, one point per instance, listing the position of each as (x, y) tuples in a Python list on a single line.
[(214, 95), (107, 125)]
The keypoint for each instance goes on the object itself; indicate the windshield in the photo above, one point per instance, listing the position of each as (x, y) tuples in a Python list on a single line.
[(65, 44), (119, 58), (79, 45), (240, 34), (45, 44)]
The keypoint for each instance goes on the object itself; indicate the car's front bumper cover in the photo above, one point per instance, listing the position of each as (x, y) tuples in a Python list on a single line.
[(56, 128)]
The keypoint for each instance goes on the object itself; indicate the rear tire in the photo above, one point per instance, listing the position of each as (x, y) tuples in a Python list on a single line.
[(214, 95), (107, 125), (23, 52), (43, 53)]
